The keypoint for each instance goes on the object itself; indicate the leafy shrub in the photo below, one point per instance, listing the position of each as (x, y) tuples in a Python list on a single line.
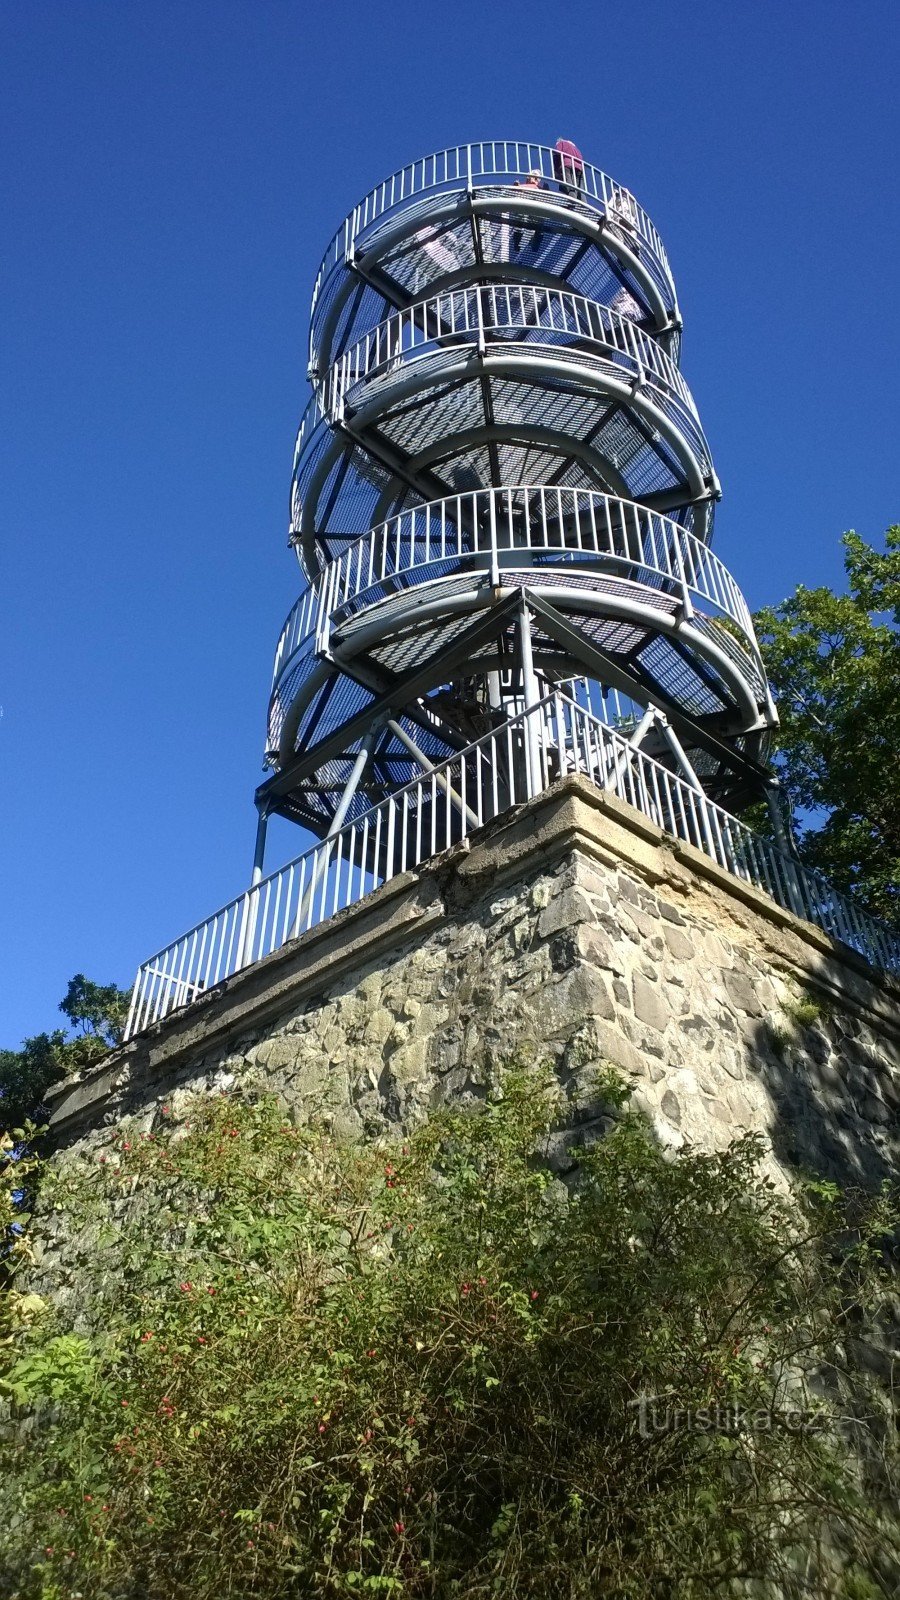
[(17, 1167), (306, 1367)]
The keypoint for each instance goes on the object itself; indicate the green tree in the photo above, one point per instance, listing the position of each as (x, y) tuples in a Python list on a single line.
[(834, 663), (97, 1012)]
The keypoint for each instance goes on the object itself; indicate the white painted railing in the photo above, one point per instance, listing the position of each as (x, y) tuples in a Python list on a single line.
[(512, 764), (552, 325), (486, 164), (498, 307), (559, 528), (542, 317)]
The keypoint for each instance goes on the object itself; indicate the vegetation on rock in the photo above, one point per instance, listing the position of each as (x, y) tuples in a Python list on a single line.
[(295, 1365)]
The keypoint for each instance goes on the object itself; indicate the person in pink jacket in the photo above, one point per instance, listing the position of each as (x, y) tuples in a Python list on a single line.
[(568, 166)]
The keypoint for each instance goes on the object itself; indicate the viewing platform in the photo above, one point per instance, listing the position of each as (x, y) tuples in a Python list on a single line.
[(526, 758), (625, 575), (468, 213)]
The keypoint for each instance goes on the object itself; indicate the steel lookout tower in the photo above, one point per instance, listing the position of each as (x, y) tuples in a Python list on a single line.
[(502, 507), (501, 487)]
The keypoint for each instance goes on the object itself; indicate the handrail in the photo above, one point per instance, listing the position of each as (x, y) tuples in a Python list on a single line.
[(312, 419), (523, 518), (517, 762), (558, 327), (546, 317), (471, 166)]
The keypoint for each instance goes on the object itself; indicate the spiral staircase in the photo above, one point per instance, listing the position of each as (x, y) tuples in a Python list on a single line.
[(501, 486)]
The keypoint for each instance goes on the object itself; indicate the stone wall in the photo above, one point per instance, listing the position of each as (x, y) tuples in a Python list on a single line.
[(575, 930)]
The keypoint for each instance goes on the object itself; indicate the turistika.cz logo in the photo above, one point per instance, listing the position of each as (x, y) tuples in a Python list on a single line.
[(661, 1414)]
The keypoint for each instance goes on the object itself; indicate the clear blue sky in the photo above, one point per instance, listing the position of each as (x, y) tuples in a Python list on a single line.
[(172, 170)]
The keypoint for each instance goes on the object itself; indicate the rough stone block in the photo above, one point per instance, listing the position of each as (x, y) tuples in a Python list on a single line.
[(593, 879), (649, 1002), (628, 890), (612, 1047), (742, 994), (566, 910), (670, 1108), (596, 946), (874, 1109), (732, 1063), (647, 928), (579, 996), (681, 947), (890, 1090)]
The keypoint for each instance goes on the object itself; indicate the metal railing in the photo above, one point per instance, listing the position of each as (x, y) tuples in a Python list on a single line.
[(553, 328), (542, 317), (488, 163), (531, 751), (557, 528)]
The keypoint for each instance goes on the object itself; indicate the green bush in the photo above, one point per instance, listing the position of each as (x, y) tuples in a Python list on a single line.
[(314, 1368)]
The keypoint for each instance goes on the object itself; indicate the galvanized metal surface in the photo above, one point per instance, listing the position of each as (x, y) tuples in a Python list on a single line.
[(472, 169)]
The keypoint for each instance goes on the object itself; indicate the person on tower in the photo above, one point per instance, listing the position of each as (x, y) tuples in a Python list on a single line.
[(533, 182), (568, 167), (621, 212)]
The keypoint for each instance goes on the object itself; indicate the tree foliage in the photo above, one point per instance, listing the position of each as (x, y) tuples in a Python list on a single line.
[(97, 1012), (306, 1367), (834, 663)]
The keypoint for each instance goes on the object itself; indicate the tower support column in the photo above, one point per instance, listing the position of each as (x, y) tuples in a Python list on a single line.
[(259, 850), (530, 696)]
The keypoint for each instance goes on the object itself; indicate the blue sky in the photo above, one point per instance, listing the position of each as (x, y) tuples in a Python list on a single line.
[(171, 173)]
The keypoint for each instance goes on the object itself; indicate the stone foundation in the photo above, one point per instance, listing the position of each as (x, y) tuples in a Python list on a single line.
[(573, 930)]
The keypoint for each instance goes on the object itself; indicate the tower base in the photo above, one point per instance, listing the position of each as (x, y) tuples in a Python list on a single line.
[(570, 930)]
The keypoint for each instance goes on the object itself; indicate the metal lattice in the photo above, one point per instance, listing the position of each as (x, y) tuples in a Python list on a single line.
[(501, 486)]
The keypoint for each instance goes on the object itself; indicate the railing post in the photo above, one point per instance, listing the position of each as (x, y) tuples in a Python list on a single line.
[(245, 941), (136, 998), (687, 607), (259, 850), (785, 847), (479, 312)]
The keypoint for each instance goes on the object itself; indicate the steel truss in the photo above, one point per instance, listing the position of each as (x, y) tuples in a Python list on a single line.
[(501, 489)]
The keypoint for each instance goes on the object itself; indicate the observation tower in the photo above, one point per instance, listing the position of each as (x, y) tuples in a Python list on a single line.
[(502, 506), (502, 489)]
